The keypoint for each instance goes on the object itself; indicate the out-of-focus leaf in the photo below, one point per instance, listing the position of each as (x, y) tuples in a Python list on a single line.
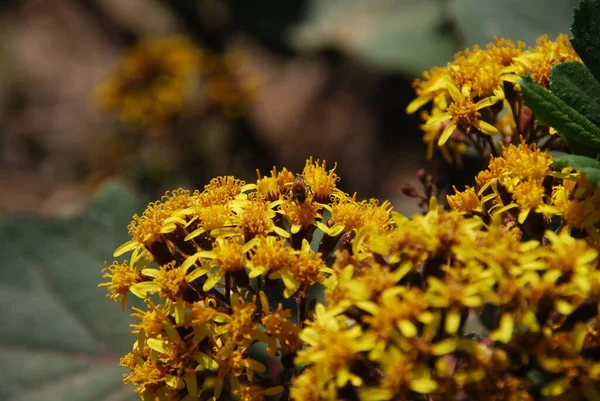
[(582, 136), (576, 86), (401, 36), (480, 21), (586, 30), (60, 338), (588, 166)]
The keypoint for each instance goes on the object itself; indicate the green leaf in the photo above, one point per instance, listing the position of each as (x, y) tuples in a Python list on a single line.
[(576, 162), (479, 21), (579, 133), (400, 35), (60, 338), (592, 174), (586, 31), (588, 166), (576, 86)]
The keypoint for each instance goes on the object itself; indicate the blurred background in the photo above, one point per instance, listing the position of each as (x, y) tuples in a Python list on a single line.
[(105, 104), (170, 93)]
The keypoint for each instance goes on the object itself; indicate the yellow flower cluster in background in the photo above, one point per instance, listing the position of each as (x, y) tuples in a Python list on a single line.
[(226, 268), (151, 81), (474, 97), (157, 75)]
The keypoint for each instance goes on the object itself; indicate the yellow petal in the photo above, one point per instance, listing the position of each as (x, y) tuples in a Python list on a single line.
[(437, 119), (191, 383), (141, 289), (447, 133), (486, 128), (452, 321), (126, 247), (416, 104), (211, 281), (157, 345)]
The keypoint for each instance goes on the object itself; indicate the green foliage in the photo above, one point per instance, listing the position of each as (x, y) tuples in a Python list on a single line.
[(411, 36), (479, 21), (61, 339), (575, 85), (588, 166), (387, 35), (573, 106), (586, 31), (579, 133)]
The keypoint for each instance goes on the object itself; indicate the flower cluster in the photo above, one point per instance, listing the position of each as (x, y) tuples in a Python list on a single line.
[(227, 270), (450, 307), (158, 75), (520, 187), (475, 96), (288, 288), (152, 81)]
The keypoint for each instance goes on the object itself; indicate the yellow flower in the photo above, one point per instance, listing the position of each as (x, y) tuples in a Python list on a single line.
[(528, 195), (256, 219), (227, 256), (151, 320), (220, 190), (466, 201), (300, 216), (305, 268), (347, 214), (332, 348), (276, 185), (269, 254), (527, 162), (304, 387), (539, 61), (152, 81), (464, 113), (257, 393), (282, 333), (148, 377), (321, 182), (145, 230), (122, 277)]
